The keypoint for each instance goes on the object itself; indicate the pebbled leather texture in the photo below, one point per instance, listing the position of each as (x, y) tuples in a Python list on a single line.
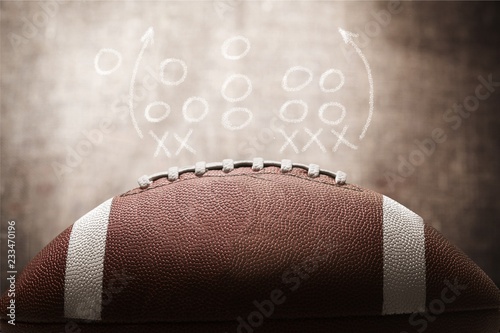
[(276, 227), (283, 251), (460, 322), (40, 286)]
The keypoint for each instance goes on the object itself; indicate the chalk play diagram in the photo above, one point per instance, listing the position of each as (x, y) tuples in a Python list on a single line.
[(196, 109)]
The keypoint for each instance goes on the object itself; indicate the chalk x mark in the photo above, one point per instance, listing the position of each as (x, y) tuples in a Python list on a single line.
[(146, 39), (347, 36)]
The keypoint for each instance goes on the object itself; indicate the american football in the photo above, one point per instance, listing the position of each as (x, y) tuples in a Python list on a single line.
[(251, 246)]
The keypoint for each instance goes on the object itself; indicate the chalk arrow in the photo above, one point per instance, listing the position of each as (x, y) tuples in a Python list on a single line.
[(348, 36), (148, 36), (146, 39)]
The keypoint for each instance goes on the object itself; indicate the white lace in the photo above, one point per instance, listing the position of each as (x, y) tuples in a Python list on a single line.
[(258, 164), (199, 168), (173, 173), (228, 165)]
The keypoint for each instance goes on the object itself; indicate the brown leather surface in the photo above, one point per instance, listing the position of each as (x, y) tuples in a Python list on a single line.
[(200, 252), (446, 262), (460, 322), (40, 287), (213, 245)]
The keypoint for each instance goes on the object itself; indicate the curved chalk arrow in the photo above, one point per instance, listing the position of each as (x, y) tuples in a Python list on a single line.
[(146, 39), (347, 36)]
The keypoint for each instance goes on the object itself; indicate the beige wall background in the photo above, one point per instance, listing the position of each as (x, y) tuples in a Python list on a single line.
[(68, 141)]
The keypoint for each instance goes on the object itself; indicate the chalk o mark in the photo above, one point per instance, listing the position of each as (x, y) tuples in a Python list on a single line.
[(164, 63), (293, 120), (326, 74), (228, 124), (160, 118), (231, 79), (323, 108), (284, 82), (188, 102), (98, 57), (225, 47)]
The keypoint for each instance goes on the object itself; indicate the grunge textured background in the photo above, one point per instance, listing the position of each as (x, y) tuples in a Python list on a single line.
[(68, 141)]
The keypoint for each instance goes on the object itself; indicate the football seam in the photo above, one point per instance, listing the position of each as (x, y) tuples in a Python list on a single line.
[(228, 165), (253, 175)]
